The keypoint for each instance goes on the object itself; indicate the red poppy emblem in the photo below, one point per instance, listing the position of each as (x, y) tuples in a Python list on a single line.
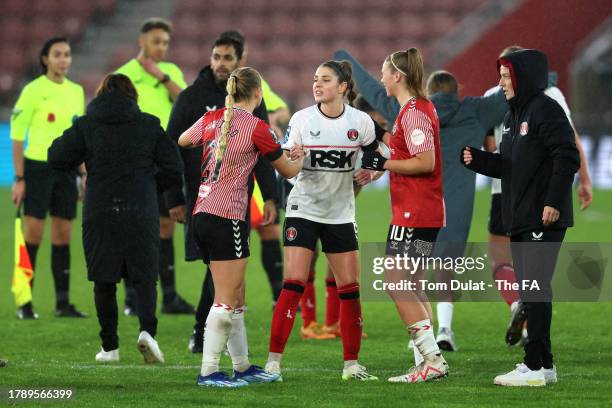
[(291, 233), (524, 128), (51, 117), (352, 134)]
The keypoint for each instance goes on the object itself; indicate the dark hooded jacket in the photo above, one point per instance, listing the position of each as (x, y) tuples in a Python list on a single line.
[(205, 94), (538, 156), (127, 154)]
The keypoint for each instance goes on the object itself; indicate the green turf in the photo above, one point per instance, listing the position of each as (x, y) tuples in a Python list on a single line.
[(57, 353)]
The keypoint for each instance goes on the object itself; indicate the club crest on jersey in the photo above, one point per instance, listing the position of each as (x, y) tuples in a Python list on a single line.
[(524, 129), (352, 134), (291, 233)]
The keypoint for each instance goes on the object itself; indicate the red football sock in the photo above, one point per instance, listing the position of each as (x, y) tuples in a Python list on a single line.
[(332, 302), (506, 272), (284, 314), (309, 302), (350, 320)]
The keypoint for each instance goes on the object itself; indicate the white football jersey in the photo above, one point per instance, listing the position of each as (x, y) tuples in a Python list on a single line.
[(323, 190)]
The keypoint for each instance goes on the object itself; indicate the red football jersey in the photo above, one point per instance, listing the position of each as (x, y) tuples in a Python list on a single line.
[(417, 201), (224, 189)]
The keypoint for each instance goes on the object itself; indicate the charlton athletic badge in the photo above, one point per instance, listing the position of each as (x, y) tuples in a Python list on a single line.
[(524, 128), (352, 134), (291, 233)]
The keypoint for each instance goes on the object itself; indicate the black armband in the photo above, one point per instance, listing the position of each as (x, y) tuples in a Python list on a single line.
[(379, 131)]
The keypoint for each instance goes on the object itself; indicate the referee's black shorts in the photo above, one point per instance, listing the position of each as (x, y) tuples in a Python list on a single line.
[(49, 191), (220, 239)]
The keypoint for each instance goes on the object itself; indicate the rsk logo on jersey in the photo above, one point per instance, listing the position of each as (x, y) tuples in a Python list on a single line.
[(291, 233), (352, 134), (524, 128), (331, 159)]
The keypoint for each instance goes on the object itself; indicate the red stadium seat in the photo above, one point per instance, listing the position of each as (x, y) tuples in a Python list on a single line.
[(13, 30), (14, 8), (12, 59), (105, 7)]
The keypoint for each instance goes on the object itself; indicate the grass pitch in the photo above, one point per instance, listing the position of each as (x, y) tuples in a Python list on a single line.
[(59, 353)]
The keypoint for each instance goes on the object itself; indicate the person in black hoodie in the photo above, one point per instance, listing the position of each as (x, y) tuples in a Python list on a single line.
[(127, 155), (537, 162), (208, 93)]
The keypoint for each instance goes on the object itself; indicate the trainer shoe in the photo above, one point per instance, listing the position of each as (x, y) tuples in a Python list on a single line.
[(335, 330), (255, 374), (550, 375), (515, 328), (273, 367), (149, 348), (26, 312), (315, 331), (69, 311), (219, 379), (178, 305), (107, 356), (196, 343), (521, 376), (426, 371), (357, 372), (446, 339)]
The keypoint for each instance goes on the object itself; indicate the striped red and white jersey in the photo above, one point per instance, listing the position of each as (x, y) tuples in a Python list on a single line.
[(417, 201), (223, 187)]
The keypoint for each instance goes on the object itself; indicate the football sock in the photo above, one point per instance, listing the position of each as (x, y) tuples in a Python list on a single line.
[(216, 333), (505, 272), (237, 344), (60, 266), (332, 302), (423, 338), (418, 357), (445, 314), (166, 270), (272, 260), (284, 314), (350, 320), (309, 302), (32, 252)]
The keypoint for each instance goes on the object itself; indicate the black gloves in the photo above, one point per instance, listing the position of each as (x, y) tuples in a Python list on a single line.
[(373, 160)]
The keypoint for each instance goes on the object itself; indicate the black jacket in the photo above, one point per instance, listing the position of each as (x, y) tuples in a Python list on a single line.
[(538, 156), (192, 103), (127, 154)]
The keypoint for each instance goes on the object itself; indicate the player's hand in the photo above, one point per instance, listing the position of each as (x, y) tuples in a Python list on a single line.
[(550, 215), (18, 192), (177, 214), (269, 213), (373, 160), (297, 152), (363, 177), (150, 66), (585, 194), (467, 156)]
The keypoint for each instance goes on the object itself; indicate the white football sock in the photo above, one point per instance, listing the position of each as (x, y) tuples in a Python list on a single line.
[(445, 314), (418, 357), (237, 344), (216, 333), (513, 306), (424, 340)]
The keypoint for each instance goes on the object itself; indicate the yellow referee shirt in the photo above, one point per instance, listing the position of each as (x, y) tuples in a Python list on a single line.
[(43, 111)]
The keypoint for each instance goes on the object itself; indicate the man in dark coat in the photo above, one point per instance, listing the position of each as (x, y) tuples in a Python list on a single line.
[(205, 94), (127, 154), (537, 162)]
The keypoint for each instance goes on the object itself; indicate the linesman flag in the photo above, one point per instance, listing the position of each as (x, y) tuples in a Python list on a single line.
[(23, 273), (257, 204)]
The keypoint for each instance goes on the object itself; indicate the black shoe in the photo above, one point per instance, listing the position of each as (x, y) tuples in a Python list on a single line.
[(69, 311), (515, 328), (178, 305), (26, 312), (196, 343)]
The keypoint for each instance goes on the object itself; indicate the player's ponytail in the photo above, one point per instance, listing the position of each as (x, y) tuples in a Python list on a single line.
[(241, 84), (410, 64)]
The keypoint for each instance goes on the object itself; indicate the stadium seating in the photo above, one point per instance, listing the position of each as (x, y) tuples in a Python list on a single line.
[(288, 39), (26, 24)]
